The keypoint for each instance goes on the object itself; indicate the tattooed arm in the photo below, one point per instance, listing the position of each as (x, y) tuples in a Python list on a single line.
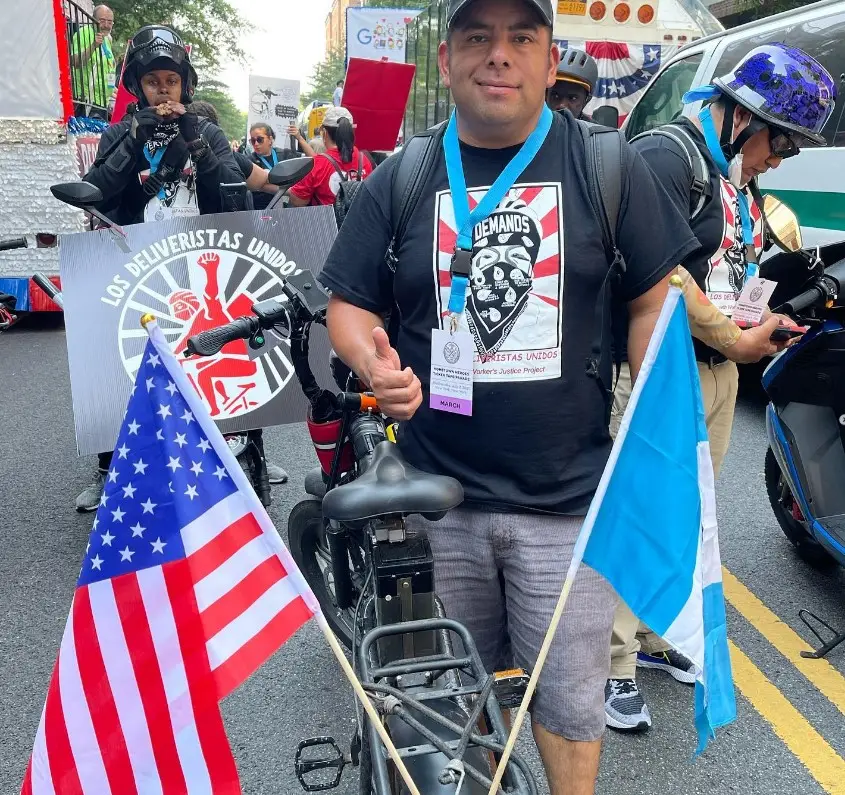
[(718, 331)]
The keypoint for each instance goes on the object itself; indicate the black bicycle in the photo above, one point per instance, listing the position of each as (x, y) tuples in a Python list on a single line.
[(373, 575)]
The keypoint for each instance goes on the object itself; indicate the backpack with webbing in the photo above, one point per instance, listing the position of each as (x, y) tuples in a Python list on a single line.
[(604, 155), (347, 189), (700, 188)]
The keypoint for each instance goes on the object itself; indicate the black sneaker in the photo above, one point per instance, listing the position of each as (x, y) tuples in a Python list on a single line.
[(624, 706), (680, 668)]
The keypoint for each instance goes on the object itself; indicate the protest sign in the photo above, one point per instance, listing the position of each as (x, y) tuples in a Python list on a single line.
[(273, 101), (377, 33), (191, 274), (376, 93)]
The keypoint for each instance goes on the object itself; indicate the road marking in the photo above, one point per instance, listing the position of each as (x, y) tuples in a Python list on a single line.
[(821, 673), (808, 746)]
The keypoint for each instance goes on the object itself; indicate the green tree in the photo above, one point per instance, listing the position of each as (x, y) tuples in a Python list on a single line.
[(232, 120), (212, 27), (324, 78)]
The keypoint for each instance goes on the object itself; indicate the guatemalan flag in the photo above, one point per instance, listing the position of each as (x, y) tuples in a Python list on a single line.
[(656, 500), (624, 70)]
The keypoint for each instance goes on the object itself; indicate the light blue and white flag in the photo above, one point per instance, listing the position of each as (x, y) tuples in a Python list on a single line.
[(651, 529)]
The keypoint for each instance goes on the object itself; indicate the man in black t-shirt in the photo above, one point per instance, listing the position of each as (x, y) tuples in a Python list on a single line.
[(775, 101), (532, 451)]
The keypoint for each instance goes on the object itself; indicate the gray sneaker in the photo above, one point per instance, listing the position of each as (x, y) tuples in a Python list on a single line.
[(624, 707), (276, 474), (89, 499)]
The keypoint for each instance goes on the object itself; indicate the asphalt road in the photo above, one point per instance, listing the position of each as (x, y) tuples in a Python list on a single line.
[(797, 748)]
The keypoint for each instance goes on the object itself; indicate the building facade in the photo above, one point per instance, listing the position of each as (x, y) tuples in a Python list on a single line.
[(336, 24)]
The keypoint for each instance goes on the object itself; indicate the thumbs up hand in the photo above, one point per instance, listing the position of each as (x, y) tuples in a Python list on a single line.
[(398, 391)]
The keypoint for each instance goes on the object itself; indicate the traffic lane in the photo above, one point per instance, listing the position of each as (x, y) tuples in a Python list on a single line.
[(300, 692)]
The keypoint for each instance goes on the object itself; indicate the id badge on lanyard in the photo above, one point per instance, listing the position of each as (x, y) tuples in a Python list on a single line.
[(452, 350)]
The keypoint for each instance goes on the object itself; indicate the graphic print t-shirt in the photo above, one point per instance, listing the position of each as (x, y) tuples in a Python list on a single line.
[(537, 439), (719, 265)]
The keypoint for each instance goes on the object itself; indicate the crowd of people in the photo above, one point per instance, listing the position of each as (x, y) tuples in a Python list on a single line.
[(531, 453)]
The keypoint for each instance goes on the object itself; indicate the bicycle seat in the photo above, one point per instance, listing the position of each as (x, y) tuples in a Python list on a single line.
[(391, 485)]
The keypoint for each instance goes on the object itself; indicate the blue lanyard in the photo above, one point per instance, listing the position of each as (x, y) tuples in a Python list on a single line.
[(155, 160), (466, 220), (751, 267), (266, 163), (105, 48)]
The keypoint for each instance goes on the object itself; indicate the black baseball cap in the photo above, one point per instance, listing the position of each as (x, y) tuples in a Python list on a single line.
[(543, 7)]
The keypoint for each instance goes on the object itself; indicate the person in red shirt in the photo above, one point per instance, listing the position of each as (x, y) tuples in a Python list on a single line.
[(341, 161)]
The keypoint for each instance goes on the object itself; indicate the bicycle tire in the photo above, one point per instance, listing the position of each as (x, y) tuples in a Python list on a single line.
[(305, 526)]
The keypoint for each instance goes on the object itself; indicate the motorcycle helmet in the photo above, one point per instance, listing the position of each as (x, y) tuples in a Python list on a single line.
[(157, 47), (576, 66), (783, 87)]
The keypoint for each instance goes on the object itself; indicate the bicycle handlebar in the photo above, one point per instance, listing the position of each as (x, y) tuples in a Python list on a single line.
[(12, 243), (207, 343)]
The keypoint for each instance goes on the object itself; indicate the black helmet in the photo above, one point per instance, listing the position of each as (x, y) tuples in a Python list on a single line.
[(157, 47), (577, 67)]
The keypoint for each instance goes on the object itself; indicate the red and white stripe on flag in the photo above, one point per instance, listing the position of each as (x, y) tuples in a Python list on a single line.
[(132, 705)]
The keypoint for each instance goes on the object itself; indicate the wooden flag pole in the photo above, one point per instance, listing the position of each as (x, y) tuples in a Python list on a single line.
[(535, 676), (366, 703)]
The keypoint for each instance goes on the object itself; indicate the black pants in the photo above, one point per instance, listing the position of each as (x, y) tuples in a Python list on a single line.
[(104, 461)]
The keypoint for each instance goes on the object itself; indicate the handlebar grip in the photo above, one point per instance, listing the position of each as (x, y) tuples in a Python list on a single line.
[(15, 242), (207, 343), (804, 300), (45, 284)]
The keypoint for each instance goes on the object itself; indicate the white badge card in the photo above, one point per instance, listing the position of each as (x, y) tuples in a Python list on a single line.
[(753, 301), (451, 371)]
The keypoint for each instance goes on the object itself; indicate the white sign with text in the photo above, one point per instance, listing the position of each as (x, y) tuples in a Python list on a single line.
[(377, 33)]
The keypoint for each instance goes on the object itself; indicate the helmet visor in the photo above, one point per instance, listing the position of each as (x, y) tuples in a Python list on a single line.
[(165, 35)]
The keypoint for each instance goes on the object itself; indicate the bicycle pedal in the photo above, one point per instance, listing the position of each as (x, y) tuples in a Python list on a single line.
[(509, 687), (311, 768)]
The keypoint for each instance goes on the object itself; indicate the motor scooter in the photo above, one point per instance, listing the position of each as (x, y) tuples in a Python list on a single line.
[(805, 417)]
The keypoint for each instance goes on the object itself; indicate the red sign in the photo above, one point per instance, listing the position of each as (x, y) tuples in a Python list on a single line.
[(376, 93), (86, 151)]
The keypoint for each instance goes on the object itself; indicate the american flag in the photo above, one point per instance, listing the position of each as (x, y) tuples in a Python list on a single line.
[(185, 590), (624, 70)]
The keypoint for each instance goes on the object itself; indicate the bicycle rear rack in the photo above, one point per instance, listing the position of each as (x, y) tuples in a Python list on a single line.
[(400, 701)]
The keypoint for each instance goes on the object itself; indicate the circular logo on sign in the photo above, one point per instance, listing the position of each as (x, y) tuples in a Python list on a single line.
[(755, 293), (199, 290), (451, 352)]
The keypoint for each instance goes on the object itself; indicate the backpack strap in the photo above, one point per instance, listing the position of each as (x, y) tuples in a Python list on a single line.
[(605, 166), (700, 189), (336, 167), (414, 165), (360, 167)]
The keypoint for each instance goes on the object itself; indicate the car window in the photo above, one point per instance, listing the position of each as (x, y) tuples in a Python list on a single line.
[(824, 39), (662, 100)]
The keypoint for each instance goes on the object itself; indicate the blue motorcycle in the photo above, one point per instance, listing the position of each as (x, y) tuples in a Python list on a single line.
[(805, 417)]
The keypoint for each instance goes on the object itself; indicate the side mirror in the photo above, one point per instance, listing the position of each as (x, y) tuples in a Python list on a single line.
[(607, 116), (289, 172), (83, 195), (782, 224)]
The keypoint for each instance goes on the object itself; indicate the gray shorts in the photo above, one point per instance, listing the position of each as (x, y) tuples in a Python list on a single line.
[(500, 575)]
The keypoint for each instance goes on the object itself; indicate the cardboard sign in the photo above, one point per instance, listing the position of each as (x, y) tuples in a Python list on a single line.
[(376, 93), (192, 274), (273, 101)]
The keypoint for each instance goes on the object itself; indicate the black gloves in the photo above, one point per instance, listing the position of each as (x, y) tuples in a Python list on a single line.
[(144, 123), (189, 126)]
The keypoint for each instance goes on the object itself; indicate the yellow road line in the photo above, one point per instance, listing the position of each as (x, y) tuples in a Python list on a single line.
[(821, 673), (808, 746)]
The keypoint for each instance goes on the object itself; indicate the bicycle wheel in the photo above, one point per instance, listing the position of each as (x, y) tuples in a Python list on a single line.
[(307, 543)]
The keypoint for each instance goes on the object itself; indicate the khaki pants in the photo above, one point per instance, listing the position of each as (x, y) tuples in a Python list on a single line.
[(718, 392)]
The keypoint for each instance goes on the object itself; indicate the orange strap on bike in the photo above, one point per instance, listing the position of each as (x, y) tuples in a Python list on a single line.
[(368, 403)]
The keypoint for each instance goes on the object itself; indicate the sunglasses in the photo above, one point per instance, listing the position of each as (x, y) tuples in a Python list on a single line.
[(782, 144), (259, 139)]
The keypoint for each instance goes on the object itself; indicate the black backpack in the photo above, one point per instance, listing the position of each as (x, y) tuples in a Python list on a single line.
[(605, 166), (700, 188), (348, 188)]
